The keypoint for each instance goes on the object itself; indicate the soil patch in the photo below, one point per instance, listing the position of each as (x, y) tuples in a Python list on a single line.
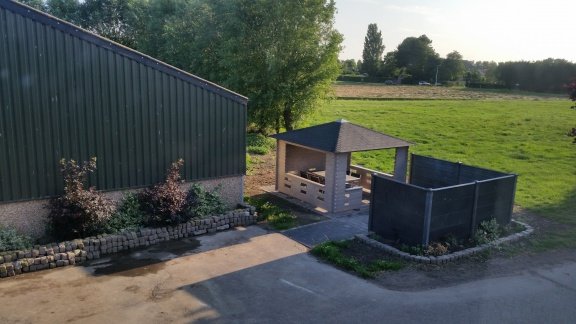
[(381, 91), (366, 254), (262, 173)]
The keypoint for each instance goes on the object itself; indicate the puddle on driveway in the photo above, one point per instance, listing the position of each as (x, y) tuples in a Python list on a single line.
[(142, 261)]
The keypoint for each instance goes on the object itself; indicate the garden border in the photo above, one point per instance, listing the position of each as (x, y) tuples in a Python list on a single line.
[(448, 257), (54, 255)]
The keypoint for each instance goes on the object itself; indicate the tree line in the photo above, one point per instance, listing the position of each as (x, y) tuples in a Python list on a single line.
[(416, 60), (282, 55)]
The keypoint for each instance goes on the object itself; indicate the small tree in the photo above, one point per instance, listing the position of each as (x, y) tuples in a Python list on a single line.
[(164, 202), (452, 67), (572, 88), (79, 212)]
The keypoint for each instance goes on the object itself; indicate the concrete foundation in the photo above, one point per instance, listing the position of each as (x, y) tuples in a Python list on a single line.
[(30, 217)]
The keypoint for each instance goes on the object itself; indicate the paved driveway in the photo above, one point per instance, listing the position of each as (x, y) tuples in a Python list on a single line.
[(251, 276), (333, 229)]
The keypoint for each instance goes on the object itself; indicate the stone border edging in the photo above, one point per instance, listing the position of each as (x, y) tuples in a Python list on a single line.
[(449, 257), (54, 255)]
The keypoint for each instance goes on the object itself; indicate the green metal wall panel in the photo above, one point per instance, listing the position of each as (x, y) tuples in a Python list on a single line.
[(65, 93)]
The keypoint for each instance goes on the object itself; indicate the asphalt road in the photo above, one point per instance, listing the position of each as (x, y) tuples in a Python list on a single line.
[(252, 276)]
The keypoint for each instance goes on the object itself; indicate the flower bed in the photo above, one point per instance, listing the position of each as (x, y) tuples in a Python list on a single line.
[(73, 252), (447, 257)]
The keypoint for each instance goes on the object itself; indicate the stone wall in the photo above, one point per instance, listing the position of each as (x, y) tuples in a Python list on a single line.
[(30, 217), (55, 255)]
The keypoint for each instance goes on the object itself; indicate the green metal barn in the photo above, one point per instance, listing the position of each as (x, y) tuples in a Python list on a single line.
[(68, 93)]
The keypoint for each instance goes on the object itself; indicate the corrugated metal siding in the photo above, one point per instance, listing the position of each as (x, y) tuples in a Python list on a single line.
[(62, 96)]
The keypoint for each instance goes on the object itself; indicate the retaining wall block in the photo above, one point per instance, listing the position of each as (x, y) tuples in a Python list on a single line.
[(62, 254)]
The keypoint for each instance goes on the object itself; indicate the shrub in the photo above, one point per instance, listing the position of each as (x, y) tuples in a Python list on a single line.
[(414, 250), (488, 231), (437, 249), (129, 215), (164, 202), (257, 143), (572, 133), (201, 202), (79, 212), (260, 150), (11, 240), (362, 78)]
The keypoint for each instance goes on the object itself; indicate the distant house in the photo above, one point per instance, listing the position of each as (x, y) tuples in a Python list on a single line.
[(67, 93)]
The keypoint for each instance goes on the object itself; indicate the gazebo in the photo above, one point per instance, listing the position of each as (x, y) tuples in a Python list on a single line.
[(313, 164)]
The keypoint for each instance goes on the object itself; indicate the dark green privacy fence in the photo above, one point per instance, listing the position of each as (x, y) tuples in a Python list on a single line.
[(442, 198), (66, 93)]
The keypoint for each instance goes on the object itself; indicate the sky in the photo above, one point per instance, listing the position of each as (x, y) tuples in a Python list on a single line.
[(484, 30)]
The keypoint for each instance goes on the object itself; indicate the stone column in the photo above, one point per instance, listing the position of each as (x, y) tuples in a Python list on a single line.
[(336, 165), (280, 164), (401, 163)]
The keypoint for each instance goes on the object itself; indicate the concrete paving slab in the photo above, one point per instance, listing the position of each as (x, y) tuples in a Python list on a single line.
[(335, 229)]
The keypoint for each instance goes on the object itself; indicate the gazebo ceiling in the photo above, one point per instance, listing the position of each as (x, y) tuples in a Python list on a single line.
[(341, 136)]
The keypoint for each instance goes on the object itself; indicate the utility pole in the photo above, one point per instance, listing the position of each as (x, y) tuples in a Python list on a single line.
[(436, 83)]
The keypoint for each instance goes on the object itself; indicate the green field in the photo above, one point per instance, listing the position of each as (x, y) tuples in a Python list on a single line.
[(527, 138)]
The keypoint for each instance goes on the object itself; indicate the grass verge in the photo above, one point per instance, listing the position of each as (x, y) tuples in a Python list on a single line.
[(334, 252), (278, 218)]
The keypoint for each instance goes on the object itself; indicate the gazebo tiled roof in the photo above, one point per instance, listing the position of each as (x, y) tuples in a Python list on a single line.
[(341, 137)]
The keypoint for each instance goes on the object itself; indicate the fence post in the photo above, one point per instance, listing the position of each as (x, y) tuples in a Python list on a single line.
[(427, 218), (411, 168), (372, 202), (459, 170), (513, 196), (474, 209)]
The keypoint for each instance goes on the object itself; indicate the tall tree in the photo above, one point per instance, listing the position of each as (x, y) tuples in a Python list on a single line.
[(452, 68), (417, 56), (373, 50), (68, 10), (113, 19), (282, 54), (38, 4), (349, 66)]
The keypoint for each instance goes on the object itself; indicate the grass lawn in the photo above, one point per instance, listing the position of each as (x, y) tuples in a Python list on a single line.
[(526, 137), (351, 256)]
